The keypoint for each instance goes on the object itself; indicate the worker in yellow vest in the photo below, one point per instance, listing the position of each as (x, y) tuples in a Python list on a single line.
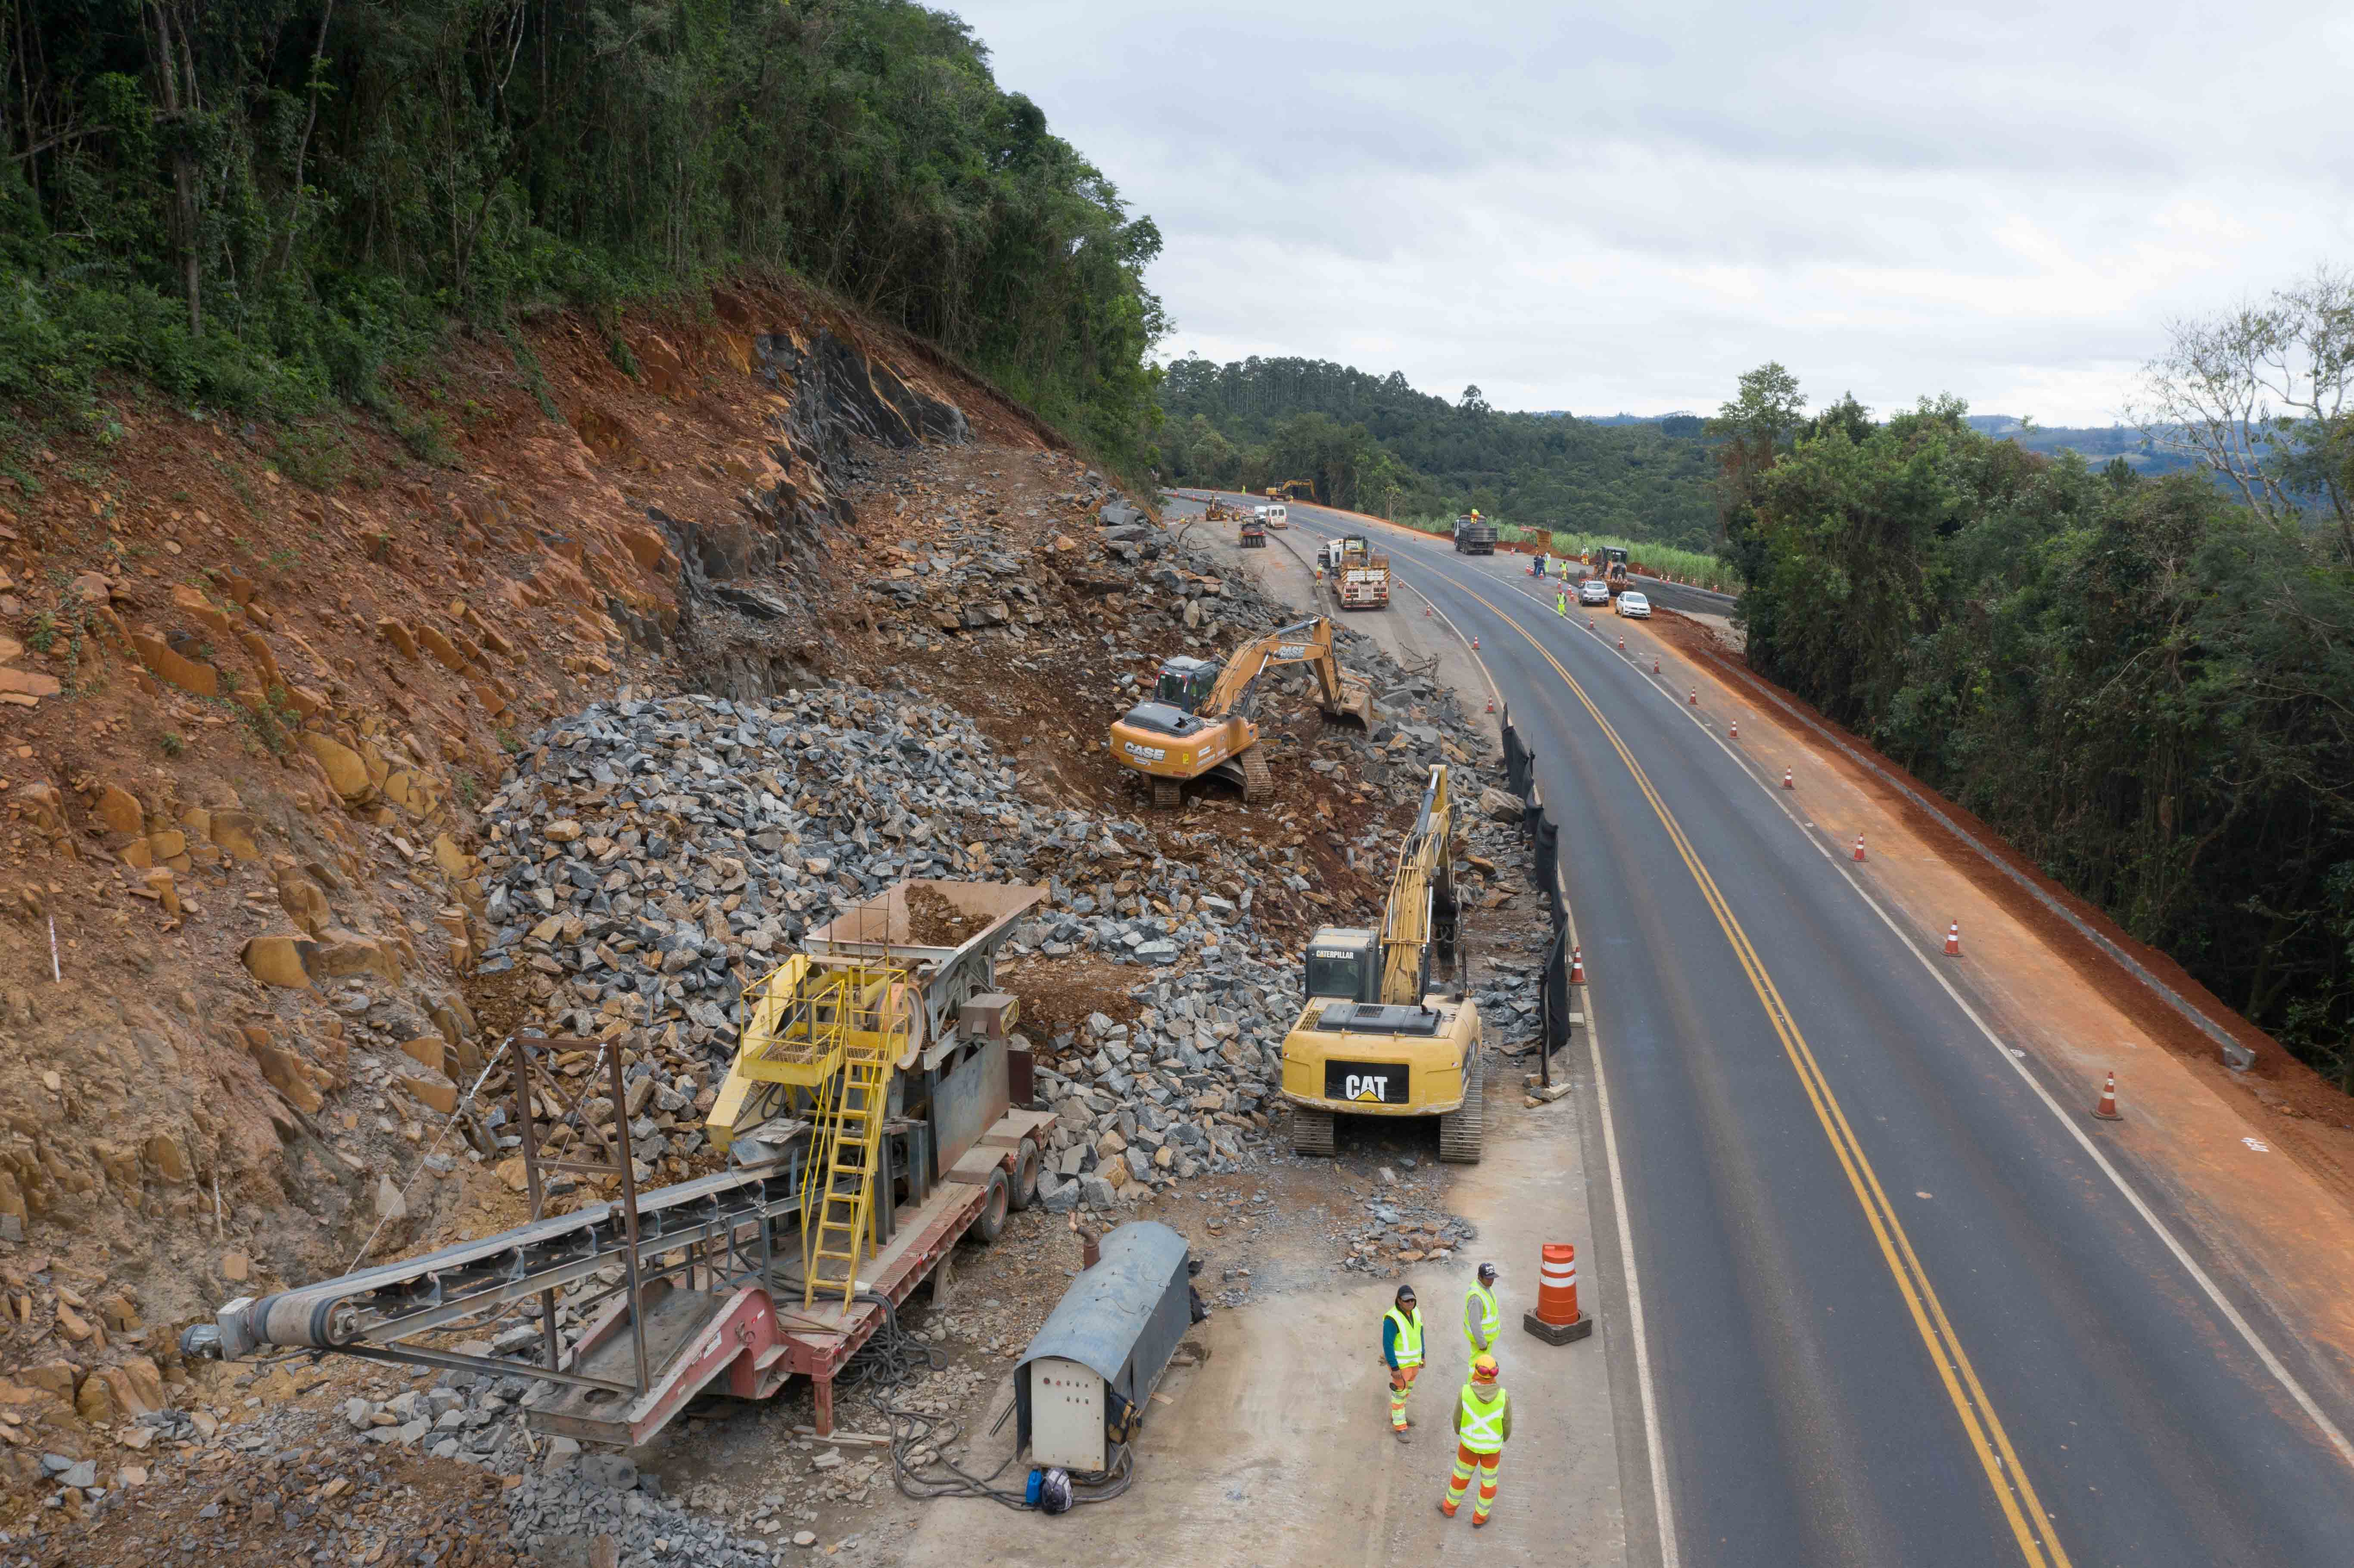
[(1480, 1317), (1483, 1424), (1560, 603), (1402, 1354)]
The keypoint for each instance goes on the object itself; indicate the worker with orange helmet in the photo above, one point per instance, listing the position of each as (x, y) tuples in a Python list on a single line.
[(1402, 1354), (1483, 1424)]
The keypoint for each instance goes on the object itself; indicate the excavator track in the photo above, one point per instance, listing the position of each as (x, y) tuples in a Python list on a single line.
[(1258, 784), (1461, 1130), (1167, 794), (1311, 1131)]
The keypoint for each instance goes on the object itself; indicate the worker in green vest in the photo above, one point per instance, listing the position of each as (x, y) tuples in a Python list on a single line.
[(1402, 1354), (1560, 603), (1483, 1424), (1480, 1317)]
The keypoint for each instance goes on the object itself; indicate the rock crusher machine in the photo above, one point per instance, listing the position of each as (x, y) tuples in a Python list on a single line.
[(872, 1117)]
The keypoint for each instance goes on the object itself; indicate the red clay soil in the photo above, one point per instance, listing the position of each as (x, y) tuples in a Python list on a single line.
[(2281, 1082)]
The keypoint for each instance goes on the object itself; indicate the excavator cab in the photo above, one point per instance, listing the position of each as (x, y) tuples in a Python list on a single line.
[(1345, 963), (1185, 683)]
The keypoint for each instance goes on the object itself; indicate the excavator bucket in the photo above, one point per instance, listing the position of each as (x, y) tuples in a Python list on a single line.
[(1356, 706)]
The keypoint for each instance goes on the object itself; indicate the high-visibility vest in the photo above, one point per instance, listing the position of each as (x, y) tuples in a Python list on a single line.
[(1409, 1335), (1482, 1430), (1489, 1319)]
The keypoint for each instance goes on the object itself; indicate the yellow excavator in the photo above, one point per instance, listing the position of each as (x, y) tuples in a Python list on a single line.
[(1377, 1037), (1200, 718)]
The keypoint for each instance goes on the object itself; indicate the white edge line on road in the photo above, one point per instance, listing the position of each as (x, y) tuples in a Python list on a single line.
[(2231, 1314), (1653, 1445)]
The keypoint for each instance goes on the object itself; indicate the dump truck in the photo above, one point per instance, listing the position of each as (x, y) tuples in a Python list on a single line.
[(1200, 719), (876, 1112), (1474, 535), (1388, 1030), (1361, 577)]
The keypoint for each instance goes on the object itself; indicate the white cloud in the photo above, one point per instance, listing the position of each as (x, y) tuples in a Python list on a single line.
[(1624, 206)]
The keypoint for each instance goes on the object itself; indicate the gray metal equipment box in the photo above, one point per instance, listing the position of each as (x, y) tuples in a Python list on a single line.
[(1085, 1378)]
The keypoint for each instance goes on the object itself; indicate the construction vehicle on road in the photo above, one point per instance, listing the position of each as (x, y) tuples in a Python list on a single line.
[(1295, 490), (1474, 534), (1377, 1037), (1610, 566), (875, 1113), (1200, 717), (1253, 536), (1361, 578)]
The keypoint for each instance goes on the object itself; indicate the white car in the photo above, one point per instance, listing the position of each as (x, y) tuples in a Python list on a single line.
[(1633, 604), (1593, 590)]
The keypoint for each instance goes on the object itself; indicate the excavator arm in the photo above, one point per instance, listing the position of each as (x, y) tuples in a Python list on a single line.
[(1418, 926), (1307, 642)]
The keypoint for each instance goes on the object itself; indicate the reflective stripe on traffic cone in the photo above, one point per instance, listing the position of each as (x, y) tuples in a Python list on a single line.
[(1859, 846), (2107, 1109), (1953, 940), (1578, 966)]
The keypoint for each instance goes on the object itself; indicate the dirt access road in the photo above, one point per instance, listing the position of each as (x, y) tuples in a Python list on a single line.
[(1277, 1448)]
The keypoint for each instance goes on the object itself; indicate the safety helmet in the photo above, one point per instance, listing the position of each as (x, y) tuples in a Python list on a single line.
[(1487, 1273), (1483, 1368)]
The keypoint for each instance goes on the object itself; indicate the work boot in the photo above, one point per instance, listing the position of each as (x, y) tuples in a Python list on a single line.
[(1400, 1434), (1446, 1507), (1478, 1521)]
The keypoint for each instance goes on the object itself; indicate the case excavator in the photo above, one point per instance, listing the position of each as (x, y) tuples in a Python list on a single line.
[(1200, 718), (1385, 1031)]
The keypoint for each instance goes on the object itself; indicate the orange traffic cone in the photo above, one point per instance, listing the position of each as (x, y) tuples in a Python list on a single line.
[(1491, 704), (1953, 940), (1788, 782), (2107, 1109), (1622, 643), (1694, 700), (1578, 966), (1735, 733), (1475, 645), (1654, 663), (1859, 846)]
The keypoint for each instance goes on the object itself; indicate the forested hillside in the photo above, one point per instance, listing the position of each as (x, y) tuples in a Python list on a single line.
[(1375, 444), (259, 204), (2143, 683)]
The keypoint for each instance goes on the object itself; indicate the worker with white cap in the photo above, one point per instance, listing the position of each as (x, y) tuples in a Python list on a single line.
[(1481, 1319)]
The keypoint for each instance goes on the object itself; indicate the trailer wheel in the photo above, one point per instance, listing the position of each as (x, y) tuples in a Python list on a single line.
[(991, 1224), (1025, 1177)]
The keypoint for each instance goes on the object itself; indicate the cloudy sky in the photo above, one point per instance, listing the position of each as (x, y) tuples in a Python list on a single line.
[(1622, 207)]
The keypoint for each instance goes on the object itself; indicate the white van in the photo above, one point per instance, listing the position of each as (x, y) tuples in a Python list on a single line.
[(1276, 517)]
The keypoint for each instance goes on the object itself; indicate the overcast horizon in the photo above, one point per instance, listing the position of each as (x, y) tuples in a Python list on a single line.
[(1622, 208)]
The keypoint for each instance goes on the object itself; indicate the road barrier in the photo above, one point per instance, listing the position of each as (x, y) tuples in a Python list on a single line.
[(1557, 1320)]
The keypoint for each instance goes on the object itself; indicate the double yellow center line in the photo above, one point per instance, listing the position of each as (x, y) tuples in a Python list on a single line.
[(2004, 1474)]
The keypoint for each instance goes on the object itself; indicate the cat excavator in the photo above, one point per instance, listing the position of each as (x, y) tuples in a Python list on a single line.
[(1386, 1031), (1200, 718)]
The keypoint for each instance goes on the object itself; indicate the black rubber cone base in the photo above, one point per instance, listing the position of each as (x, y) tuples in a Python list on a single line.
[(1558, 1333)]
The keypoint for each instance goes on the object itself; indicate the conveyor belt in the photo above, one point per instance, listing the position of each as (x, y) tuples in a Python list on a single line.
[(375, 1307)]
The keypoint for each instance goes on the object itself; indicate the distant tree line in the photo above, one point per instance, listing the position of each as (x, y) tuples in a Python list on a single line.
[(2147, 685), (261, 203), (1375, 444)]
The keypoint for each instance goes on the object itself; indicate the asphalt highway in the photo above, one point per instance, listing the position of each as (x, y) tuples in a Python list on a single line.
[(1894, 1313)]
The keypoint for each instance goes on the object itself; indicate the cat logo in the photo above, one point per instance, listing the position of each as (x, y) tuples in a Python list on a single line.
[(1370, 1087)]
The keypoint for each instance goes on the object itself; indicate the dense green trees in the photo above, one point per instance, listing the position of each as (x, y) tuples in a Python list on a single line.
[(1375, 444), (257, 202), (2147, 688)]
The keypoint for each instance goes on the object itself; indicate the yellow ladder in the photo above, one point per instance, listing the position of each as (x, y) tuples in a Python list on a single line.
[(865, 1013)]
